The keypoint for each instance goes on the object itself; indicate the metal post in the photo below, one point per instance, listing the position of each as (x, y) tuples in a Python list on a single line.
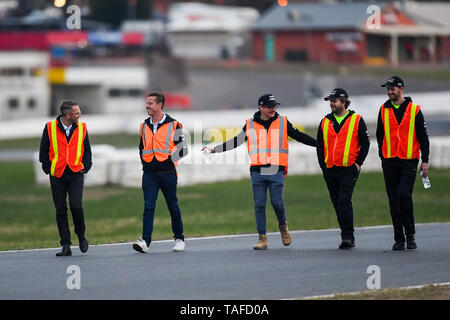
[(394, 49), (432, 48)]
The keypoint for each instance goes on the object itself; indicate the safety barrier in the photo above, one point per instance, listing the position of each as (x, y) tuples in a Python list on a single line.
[(123, 167)]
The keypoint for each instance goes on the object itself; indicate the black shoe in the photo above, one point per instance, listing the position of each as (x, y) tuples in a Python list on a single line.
[(347, 244), (84, 244), (65, 251), (411, 242), (399, 246)]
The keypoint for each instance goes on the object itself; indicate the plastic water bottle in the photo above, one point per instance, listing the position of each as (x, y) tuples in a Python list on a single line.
[(426, 181), (207, 154)]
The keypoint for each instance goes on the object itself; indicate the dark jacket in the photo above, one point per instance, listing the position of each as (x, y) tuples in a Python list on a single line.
[(420, 128), (293, 132), (44, 150), (363, 136), (167, 165)]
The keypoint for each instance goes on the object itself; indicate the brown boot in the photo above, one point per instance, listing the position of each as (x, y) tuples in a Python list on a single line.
[(262, 243), (285, 235)]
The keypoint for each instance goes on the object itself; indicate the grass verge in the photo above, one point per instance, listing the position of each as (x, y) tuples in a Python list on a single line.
[(114, 214), (429, 292)]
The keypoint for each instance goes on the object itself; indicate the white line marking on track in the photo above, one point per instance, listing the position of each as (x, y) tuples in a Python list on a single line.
[(224, 237)]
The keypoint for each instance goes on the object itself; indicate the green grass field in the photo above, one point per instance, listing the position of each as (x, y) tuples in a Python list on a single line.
[(114, 214), (430, 292)]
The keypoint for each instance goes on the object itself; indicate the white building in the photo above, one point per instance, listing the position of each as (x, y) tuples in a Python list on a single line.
[(30, 88), (198, 30), (102, 89), (24, 88)]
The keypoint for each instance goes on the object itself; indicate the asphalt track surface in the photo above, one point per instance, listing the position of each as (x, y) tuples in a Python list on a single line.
[(226, 267)]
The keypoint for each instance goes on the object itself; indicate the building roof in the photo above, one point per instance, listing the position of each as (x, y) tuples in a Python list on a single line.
[(431, 19), (189, 17), (301, 16), (434, 13)]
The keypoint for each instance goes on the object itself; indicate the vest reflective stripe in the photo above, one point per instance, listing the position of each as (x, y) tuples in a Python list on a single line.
[(400, 139), (148, 139), (55, 147), (325, 138), (261, 150), (341, 149), (265, 150), (63, 153), (167, 142), (412, 122), (80, 142), (349, 139), (387, 131), (253, 136)]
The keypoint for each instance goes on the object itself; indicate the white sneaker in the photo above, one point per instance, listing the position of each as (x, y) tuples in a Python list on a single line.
[(140, 246), (179, 245)]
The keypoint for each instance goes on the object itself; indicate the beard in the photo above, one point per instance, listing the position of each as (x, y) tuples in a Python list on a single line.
[(393, 97), (339, 110)]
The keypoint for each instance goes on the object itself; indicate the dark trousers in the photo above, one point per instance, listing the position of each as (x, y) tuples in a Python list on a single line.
[(71, 183), (399, 177), (341, 183), (167, 182)]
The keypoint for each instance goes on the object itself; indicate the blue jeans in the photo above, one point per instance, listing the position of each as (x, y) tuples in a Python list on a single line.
[(275, 183), (167, 182)]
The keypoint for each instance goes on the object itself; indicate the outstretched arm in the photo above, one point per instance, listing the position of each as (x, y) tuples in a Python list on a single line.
[(230, 144), (296, 134)]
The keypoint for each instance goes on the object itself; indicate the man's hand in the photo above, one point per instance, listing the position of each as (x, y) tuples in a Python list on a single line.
[(358, 167), (424, 169), (210, 149)]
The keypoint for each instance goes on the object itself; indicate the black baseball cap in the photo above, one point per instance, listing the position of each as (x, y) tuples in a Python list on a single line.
[(337, 93), (394, 81), (267, 100)]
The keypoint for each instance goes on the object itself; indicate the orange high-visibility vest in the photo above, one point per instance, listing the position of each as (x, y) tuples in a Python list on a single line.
[(400, 140), (268, 146), (341, 149), (63, 153), (159, 145)]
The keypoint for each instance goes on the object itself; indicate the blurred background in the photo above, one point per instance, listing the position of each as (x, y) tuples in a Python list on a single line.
[(210, 55), (212, 59)]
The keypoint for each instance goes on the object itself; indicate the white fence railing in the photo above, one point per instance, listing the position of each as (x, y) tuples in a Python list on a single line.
[(123, 167)]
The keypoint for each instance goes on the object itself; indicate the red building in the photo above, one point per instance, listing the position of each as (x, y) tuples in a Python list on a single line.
[(349, 33)]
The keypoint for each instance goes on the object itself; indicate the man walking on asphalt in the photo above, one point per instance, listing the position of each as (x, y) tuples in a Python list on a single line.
[(161, 145), (267, 143), (402, 137), (65, 154), (342, 146)]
